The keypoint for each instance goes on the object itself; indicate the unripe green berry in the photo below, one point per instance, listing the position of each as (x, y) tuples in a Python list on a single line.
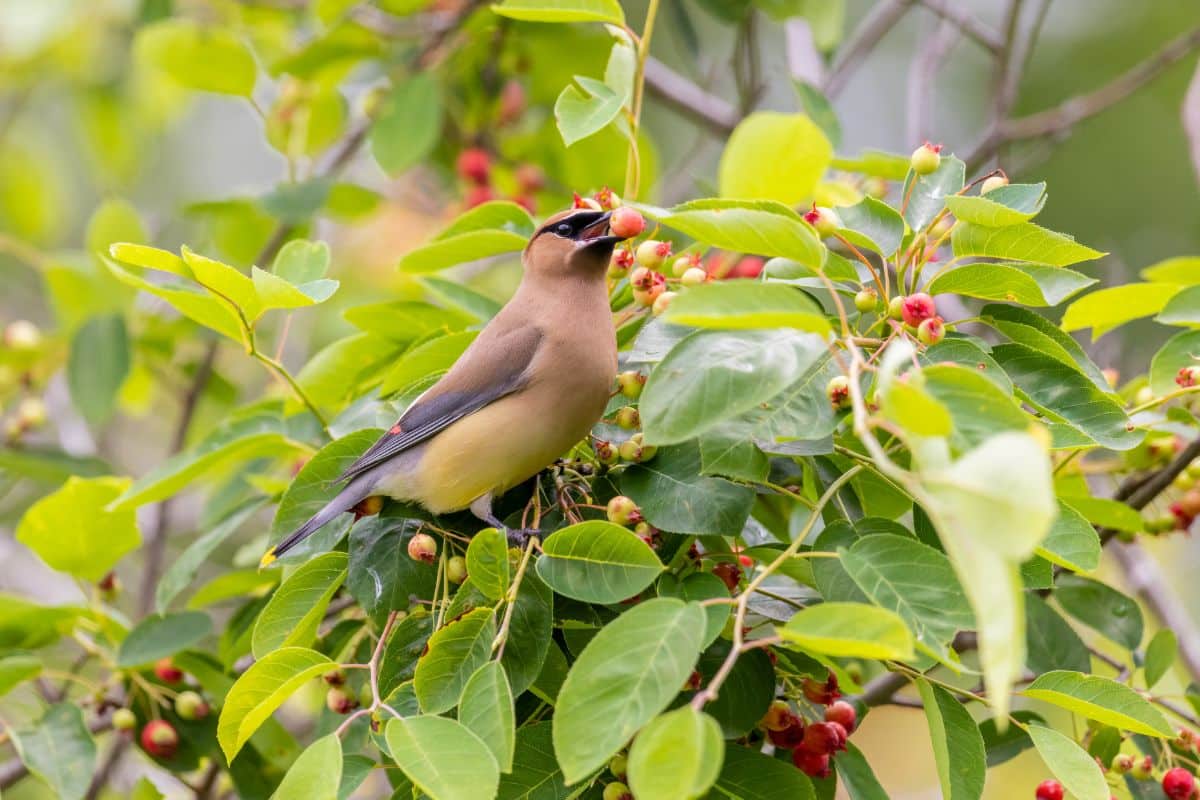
[(838, 391), (926, 158), (1121, 763), (875, 187), (931, 331), (866, 300), (621, 510), (823, 219), (662, 303), (1193, 469), (619, 766), (339, 702), (633, 449), (1183, 481), (190, 705), (617, 791), (365, 697), (629, 418), (335, 677), (605, 452), (994, 182), (31, 413), (423, 547), (694, 276), (896, 307), (22, 334), (456, 569), (682, 264), (652, 253), (124, 720), (1143, 768)]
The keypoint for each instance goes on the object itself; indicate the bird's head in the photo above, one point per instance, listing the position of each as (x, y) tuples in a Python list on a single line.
[(573, 242)]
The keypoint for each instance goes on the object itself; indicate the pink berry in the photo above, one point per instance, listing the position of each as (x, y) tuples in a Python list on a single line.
[(917, 308), (626, 223), (1178, 784)]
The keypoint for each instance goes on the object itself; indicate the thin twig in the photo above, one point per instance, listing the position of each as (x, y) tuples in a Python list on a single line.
[(920, 79), (954, 12), (882, 18), (1146, 580), (681, 94), (111, 759)]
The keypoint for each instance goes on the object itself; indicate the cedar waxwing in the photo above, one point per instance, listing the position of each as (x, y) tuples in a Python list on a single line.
[(529, 387)]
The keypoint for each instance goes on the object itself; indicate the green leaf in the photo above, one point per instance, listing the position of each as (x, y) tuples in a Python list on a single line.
[(204, 57), (98, 365), (730, 456), (180, 572), (276, 292), (473, 303), (1105, 512), (1101, 608), (1023, 242), (310, 490), (301, 261), (114, 220), (1070, 763), (1050, 640), (677, 756), (876, 163), (1030, 328), (487, 562), (926, 194), (1160, 656), (455, 652), (1001, 207), (1027, 284), (252, 433), (818, 107), (562, 11), (977, 405), (674, 496), (1181, 270), (695, 588), (774, 156), (495, 215), (159, 636), (535, 774), (1005, 745), (1072, 542), (874, 224), (1182, 309), (460, 249), (409, 124), (916, 411), (991, 508), (27, 626), (529, 634), (1101, 699), (750, 775), (1111, 307), (748, 689), (195, 304), (857, 776), (762, 227), (849, 630), (486, 709), (625, 676), (1179, 351), (597, 562), (713, 376), (444, 759), (59, 749), (316, 774), (227, 282), (17, 668), (1069, 395), (73, 531), (582, 112), (915, 581), (297, 607), (263, 688), (957, 744), (404, 647), (739, 305)]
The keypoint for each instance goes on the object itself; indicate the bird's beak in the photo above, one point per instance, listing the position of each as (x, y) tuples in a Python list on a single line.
[(597, 233)]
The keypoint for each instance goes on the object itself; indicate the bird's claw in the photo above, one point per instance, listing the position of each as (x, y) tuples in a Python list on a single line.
[(519, 537)]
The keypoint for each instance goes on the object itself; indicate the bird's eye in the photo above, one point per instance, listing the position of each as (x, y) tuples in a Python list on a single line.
[(563, 229)]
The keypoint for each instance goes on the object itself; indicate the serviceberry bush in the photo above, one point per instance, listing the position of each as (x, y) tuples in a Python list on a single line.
[(853, 458)]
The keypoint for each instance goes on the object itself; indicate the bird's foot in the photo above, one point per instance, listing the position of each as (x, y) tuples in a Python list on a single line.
[(519, 537)]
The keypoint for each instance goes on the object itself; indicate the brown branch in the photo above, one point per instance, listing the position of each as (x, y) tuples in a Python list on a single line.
[(953, 12), (119, 745), (1146, 580), (681, 94), (882, 18), (1064, 116), (1140, 493)]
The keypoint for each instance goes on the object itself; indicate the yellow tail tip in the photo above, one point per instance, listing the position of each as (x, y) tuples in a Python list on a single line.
[(268, 559)]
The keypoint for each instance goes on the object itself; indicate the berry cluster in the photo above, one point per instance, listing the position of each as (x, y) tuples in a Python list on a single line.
[(621, 510), (814, 743), (474, 166), (1184, 493), (159, 737)]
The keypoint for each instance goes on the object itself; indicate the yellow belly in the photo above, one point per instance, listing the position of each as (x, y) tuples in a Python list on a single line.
[(494, 449)]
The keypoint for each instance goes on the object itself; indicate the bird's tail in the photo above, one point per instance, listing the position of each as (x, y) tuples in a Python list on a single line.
[(345, 500)]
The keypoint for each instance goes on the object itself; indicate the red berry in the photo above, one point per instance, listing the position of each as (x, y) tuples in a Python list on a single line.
[(626, 223), (917, 308), (339, 702), (824, 737), (526, 202), (814, 765), (821, 693), (530, 178), (790, 737), (823, 219), (478, 195), (1187, 377), (779, 716), (422, 547), (167, 672), (843, 714), (1049, 790), (838, 390), (160, 739), (728, 572), (748, 267), (931, 331), (474, 164), (1178, 784)]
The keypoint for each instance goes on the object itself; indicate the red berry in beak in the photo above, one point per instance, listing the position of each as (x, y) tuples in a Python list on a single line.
[(626, 223)]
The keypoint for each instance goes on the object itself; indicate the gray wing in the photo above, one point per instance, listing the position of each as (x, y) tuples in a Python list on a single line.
[(490, 369)]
